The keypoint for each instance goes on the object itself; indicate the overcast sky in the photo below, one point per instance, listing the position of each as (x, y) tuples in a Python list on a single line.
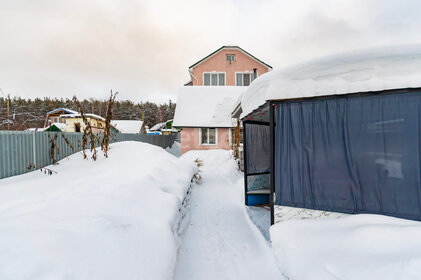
[(143, 48)]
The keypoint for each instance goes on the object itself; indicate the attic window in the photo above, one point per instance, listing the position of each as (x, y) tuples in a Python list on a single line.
[(230, 57)]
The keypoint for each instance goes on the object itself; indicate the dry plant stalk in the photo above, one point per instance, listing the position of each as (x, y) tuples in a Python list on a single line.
[(68, 142), (197, 177), (236, 140), (105, 143), (87, 132), (53, 146)]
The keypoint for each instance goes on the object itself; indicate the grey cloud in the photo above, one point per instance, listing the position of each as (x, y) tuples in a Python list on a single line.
[(143, 48)]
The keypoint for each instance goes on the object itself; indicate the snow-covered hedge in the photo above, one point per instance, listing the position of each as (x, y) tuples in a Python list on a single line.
[(352, 247), (109, 219)]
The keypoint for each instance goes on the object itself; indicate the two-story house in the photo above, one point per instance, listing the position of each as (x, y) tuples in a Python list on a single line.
[(205, 103)]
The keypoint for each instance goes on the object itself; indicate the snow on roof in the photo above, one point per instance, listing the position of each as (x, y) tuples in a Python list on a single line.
[(127, 126), (158, 126), (60, 126), (206, 106), (77, 115), (378, 69), (68, 111)]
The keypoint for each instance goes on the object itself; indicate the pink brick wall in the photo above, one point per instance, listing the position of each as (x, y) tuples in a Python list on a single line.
[(190, 140), (218, 63)]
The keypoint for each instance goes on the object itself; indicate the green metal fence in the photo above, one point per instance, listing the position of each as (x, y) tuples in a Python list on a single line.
[(24, 151)]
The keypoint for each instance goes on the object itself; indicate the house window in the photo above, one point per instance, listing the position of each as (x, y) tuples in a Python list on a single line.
[(230, 57), (77, 127), (244, 79), (214, 79), (208, 136)]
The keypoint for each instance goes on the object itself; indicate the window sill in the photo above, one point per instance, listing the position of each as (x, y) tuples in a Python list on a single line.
[(207, 144)]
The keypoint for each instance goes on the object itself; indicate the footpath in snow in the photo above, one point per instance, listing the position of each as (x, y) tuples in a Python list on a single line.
[(220, 241)]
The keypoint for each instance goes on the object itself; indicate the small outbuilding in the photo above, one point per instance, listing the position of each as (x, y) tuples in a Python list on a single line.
[(341, 133), (129, 126)]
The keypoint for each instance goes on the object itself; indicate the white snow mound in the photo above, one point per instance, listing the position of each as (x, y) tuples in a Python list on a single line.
[(109, 219), (378, 69), (352, 247)]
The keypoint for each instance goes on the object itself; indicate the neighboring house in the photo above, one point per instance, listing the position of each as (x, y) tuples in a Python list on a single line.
[(164, 128), (54, 116), (57, 127), (205, 103), (129, 126), (227, 66), (54, 127), (156, 129), (169, 129), (204, 114), (74, 123)]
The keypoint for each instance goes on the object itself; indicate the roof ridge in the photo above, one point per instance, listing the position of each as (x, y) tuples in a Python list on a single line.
[(230, 46)]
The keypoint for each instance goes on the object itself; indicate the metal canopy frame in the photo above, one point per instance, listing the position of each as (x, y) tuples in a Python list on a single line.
[(272, 142)]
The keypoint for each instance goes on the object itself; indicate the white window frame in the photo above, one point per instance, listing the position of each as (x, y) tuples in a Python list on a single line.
[(214, 72), (200, 136), (245, 72), (226, 56)]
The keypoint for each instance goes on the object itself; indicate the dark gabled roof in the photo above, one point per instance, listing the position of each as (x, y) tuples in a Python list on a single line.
[(231, 47)]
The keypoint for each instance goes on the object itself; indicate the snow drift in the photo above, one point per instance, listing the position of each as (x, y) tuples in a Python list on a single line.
[(109, 219), (376, 69), (352, 247)]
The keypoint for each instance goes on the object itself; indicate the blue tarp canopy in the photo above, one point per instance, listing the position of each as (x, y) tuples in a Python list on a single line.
[(354, 154), (258, 152)]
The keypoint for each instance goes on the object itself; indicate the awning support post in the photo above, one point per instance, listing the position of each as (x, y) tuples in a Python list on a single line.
[(272, 162), (246, 200)]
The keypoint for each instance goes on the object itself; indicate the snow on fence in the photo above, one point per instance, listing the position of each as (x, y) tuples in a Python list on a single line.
[(24, 151)]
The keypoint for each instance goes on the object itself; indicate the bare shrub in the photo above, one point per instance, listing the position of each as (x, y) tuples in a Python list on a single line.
[(88, 137), (105, 143)]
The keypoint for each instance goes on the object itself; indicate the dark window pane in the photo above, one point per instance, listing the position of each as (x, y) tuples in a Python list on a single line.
[(221, 79), (204, 138), (212, 136), (246, 79), (253, 76), (214, 79), (207, 79), (239, 79), (230, 57)]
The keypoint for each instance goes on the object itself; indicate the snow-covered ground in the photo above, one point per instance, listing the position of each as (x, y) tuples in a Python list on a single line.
[(174, 149), (351, 247), (119, 218), (220, 241), (115, 218)]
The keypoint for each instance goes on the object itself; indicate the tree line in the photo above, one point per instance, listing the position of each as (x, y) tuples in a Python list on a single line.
[(26, 113)]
